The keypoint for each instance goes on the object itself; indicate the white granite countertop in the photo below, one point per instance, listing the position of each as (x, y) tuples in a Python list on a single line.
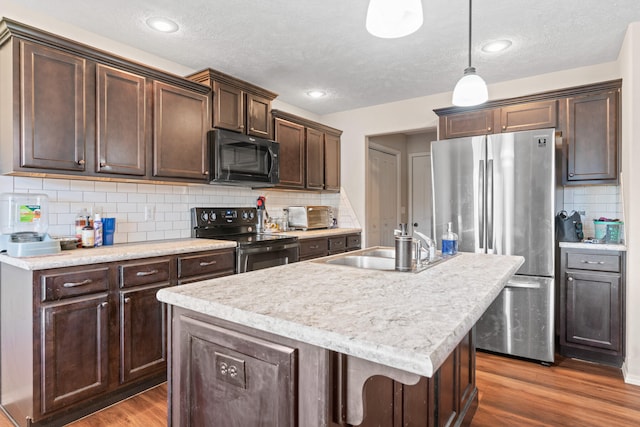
[(117, 252), (327, 232), (593, 246), (408, 321)]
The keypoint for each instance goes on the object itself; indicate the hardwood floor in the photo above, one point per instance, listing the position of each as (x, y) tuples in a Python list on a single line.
[(512, 393)]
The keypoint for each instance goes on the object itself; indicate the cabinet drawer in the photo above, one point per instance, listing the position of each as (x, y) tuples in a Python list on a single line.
[(597, 262), (313, 248), (337, 244), (66, 284), (353, 242), (202, 264), (145, 272)]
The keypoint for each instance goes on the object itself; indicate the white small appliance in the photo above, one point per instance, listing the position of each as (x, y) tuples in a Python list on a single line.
[(23, 225)]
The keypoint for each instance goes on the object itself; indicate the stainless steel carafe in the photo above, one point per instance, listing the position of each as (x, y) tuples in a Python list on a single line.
[(404, 249)]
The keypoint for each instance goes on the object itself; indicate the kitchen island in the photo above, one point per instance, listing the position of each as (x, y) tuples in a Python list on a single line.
[(313, 344)]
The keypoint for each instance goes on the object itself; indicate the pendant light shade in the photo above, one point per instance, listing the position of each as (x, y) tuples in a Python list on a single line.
[(471, 89), (390, 19)]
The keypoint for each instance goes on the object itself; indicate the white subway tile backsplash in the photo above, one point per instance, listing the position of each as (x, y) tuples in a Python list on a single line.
[(595, 201), (171, 203)]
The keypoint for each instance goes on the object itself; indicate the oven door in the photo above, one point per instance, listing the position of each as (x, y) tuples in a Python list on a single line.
[(259, 257)]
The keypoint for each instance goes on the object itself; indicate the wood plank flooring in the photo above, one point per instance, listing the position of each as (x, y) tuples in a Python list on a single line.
[(512, 393)]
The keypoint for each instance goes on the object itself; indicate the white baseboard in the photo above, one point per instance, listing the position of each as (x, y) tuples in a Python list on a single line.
[(629, 378)]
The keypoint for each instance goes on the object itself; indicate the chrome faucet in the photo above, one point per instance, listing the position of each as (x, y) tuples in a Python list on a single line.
[(429, 245)]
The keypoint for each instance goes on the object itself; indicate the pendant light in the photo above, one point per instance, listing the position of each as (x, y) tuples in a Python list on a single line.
[(389, 19), (471, 88)]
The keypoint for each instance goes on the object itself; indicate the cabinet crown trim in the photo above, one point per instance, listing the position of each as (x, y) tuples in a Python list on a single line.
[(209, 74), (279, 114), (10, 28), (541, 96)]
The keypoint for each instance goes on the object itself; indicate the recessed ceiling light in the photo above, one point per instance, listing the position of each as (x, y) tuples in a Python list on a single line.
[(496, 46), (316, 93), (162, 24)]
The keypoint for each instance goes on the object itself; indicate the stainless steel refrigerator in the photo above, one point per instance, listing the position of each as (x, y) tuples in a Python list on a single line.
[(499, 192)]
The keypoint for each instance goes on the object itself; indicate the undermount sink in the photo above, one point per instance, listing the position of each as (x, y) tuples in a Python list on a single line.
[(375, 258)]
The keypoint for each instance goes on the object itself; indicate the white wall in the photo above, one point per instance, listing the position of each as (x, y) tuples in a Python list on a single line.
[(630, 66)]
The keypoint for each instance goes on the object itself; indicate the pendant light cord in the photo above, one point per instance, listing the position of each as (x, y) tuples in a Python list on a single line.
[(469, 33)]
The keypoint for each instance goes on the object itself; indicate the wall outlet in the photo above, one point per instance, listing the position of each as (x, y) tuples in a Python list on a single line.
[(149, 213)]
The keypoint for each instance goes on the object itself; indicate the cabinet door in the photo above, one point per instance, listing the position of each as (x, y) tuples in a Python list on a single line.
[(181, 122), (226, 378), (121, 114), (53, 115), (471, 123), (331, 162), (258, 116), (290, 136), (593, 310), (228, 110), (532, 115), (315, 159), (74, 342), (590, 139), (143, 343)]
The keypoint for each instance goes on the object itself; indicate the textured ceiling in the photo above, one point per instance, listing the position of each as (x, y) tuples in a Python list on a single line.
[(292, 46)]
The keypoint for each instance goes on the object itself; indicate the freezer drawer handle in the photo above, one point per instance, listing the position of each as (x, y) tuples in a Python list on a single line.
[(523, 285), (592, 262)]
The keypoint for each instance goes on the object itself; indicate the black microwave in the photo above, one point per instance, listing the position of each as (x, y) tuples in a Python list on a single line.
[(239, 159)]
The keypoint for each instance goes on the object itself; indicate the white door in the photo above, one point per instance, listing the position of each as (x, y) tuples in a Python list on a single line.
[(382, 198), (420, 193)]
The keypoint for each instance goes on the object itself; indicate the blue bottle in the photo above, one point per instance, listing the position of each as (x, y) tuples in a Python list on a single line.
[(449, 241)]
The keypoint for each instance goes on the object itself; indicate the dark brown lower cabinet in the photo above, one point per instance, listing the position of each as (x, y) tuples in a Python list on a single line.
[(77, 339), (143, 346), (231, 375), (74, 340)]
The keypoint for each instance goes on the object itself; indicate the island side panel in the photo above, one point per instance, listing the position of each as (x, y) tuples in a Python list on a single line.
[(292, 373)]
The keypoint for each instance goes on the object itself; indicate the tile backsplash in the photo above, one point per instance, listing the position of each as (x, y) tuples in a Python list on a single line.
[(157, 211), (596, 201)]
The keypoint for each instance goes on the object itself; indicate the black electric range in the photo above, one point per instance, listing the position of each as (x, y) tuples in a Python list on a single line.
[(255, 250)]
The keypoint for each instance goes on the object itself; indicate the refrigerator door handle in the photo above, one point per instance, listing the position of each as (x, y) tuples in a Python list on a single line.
[(522, 285), (490, 204), (481, 204)]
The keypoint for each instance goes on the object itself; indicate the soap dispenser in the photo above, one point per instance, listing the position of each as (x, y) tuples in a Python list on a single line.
[(449, 241)]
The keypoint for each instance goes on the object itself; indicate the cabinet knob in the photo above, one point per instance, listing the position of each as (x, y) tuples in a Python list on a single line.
[(205, 173), (489, 128), (252, 129), (241, 127), (571, 174), (504, 127), (104, 305), (570, 279), (80, 162), (103, 164), (127, 300)]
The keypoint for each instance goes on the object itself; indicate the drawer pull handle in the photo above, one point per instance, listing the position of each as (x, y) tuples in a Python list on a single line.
[(314, 247), (76, 284), (146, 273), (592, 262), (205, 263)]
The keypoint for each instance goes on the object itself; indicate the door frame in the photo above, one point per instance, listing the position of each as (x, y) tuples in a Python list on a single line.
[(410, 190), (397, 154)]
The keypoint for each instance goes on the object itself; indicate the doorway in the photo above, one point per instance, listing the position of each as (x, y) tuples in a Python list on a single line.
[(420, 193), (383, 195)]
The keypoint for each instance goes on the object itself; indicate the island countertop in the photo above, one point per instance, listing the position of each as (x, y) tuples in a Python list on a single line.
[(407, 321)]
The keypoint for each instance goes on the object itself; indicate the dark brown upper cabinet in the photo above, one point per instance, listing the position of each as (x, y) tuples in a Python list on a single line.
[(590, 138), (121, 122), (586, 117), (181, 121), (331, 162), (309, 153), (292, 154), (72, 110), (238, 105), (53, 115), (512, 118)]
